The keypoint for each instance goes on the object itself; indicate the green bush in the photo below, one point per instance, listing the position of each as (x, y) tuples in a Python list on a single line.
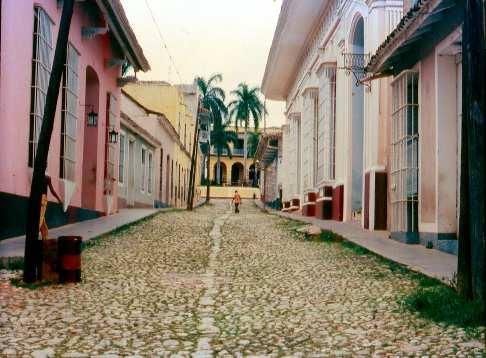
[(12, 264)]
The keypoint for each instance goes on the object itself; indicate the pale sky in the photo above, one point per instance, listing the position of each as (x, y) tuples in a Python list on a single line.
[(231, 37)]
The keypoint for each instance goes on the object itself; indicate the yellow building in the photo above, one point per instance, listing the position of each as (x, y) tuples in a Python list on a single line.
[(179, 104), (232, 169)]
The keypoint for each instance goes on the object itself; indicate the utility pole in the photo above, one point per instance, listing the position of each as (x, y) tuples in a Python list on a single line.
[(208, 169), (472, 221), (265, 115), (192, 175), (33, 252)]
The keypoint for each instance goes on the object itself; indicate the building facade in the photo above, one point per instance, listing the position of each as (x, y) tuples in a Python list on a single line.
[(232, 171), (139, 158), (334, 141), (172, 111), (422, 59), (268, 159), (82, 159), (373, 114)]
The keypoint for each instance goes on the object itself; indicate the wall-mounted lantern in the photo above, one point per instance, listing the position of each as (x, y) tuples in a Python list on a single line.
[(92, 119), (113, 136)]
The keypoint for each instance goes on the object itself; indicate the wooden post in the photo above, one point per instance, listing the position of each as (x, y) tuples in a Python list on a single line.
[(33, 252), (472, 225)]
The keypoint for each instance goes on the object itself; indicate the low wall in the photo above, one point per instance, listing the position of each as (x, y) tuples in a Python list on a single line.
[(229, 191)]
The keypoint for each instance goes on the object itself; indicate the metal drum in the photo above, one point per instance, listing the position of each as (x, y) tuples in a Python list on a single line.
[(70, 258)]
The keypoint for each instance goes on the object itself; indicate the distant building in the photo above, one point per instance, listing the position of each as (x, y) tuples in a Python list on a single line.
[(168, 113), (83, 153), (269, 160), (232, 169)]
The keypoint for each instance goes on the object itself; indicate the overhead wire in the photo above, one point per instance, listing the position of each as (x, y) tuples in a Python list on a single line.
[(162, 39)]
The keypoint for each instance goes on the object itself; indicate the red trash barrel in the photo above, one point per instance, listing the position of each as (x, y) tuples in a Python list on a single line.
[(70, 258)]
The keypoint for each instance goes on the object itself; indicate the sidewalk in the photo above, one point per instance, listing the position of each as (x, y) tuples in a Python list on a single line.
[(88, 229), (430, 262)]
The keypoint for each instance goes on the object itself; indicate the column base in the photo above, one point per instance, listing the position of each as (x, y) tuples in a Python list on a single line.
[(338, 202)]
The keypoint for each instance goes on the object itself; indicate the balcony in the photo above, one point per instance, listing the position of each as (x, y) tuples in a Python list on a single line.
[(235, 152), (356, 63)]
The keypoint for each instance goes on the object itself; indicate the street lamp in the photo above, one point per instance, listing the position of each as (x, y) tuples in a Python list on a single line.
[(113, 136)]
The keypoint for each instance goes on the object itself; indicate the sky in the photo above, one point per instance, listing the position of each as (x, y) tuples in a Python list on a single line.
[(204, 37)]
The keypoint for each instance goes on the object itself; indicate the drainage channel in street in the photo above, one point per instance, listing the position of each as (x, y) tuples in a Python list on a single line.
[(207, 327)]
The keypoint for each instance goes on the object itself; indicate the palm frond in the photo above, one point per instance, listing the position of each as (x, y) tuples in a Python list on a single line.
[(218, 93), (218, 77)]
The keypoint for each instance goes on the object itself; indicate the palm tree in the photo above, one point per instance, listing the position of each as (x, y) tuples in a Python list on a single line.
[(213, 97), (247, 104), (221, 137), (212, 100), (253, 139)]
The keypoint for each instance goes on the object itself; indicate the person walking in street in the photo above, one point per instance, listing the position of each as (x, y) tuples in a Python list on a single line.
[(44, 230), (237, 201)]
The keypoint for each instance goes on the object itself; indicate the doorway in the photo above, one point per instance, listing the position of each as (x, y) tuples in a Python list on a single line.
[(131, 173), (90, 141), (357, 127), (221, 178), (236, 174)]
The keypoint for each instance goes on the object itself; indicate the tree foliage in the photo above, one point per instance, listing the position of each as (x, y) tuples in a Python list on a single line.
[(221, 137), (246, 106), (253, 139)]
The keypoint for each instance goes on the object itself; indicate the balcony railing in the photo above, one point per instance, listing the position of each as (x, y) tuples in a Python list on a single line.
[(240, 183), (356, 63), (235, 151)]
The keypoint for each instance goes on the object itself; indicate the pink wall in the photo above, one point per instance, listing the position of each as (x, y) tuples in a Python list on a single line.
[(15, 82), (427, 124)]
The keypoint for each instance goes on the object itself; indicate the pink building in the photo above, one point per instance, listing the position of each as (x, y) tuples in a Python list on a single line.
[(423, 58), (82, 159)]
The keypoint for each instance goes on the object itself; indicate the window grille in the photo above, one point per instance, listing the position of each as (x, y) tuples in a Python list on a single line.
[(121, 161), (308, 125), (161, 169), (143, 169), (69, 115), (326, 126), (41, 71), (172, 179), (110, 147), (404, 150), (150, 172)]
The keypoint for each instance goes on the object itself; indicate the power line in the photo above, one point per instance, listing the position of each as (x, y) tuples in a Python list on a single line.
[(163, 40)]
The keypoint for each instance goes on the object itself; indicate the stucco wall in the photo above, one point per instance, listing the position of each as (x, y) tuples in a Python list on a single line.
[(170, 100), (427, 119), (228, 192), (131, 189), (17, 34), (271, 189)]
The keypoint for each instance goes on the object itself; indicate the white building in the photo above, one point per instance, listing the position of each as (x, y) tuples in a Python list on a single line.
[(335, 138)]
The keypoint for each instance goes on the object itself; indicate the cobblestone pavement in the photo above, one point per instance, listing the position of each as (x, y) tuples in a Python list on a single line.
[(212, 283)]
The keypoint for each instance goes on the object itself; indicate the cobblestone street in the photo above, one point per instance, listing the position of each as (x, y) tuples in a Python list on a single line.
[(212, 283)]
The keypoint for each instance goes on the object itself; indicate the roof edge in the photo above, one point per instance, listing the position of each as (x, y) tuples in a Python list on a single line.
[(123, 32)]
